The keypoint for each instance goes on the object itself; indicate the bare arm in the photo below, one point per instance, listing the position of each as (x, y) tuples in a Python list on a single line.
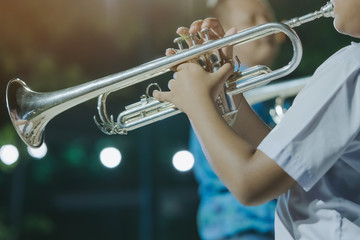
[(249, 174), (247, 123)]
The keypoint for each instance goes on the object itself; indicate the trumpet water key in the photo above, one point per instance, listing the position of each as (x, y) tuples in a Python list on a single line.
[(30, 111)]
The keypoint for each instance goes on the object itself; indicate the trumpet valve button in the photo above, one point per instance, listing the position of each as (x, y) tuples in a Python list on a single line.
[(143, 99), (192, 38), (179, 42), (205, 33)]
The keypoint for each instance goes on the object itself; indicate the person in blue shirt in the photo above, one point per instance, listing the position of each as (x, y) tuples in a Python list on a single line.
[(220, 215)]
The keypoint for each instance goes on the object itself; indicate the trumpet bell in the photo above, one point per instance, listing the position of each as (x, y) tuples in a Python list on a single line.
[(25, 117)]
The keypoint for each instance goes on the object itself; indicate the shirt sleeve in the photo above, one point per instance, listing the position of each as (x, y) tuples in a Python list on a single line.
[(316, 130)]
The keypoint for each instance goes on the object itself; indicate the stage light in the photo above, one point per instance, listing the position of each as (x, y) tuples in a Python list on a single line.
[(110, 157), (183, 161), (9, 154), (38, 152)]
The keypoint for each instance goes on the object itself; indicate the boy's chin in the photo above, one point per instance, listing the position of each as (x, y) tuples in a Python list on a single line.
[(341, 29), (338, 27)]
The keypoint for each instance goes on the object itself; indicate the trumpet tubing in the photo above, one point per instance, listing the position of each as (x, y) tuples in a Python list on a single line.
[(30, 111)]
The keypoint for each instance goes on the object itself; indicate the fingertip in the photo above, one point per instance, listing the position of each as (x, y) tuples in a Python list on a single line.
[(195, 26), (155, 94), (180, 67), (227, 66), (231, 31), (182, 31), (169, 51), (215, 25), (225, 69), (162, 96), (210, 22)]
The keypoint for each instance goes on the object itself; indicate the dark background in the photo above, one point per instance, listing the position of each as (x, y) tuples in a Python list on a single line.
[(69, 194)]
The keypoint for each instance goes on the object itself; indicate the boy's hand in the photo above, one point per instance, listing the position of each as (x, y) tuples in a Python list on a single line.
[(192, 86), (216, 32)]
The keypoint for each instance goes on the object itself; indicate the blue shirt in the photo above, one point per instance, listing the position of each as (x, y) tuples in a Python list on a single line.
[(220, 214)]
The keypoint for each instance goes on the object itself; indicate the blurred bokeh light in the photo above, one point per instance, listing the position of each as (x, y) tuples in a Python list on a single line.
[(110, 157), (9, 154), (38, 153), (183, 161)]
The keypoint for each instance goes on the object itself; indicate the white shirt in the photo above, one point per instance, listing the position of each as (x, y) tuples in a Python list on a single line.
[(318, 144)]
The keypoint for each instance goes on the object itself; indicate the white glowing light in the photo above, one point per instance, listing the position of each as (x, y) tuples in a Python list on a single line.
[(183, 161), (9, 154), (38, 152), (110, 157)]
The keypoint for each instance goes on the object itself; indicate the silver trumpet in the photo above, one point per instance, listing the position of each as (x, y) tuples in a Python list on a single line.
[(30, 111)]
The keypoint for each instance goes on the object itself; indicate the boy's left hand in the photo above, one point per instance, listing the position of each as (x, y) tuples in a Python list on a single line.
[(192, 84)]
